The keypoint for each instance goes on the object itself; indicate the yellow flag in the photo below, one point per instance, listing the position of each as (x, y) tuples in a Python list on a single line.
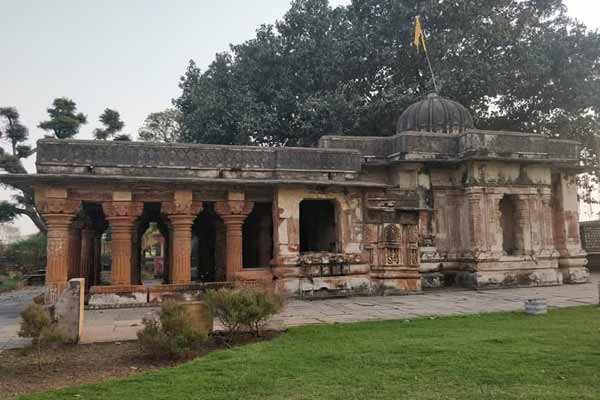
[(419, 35)]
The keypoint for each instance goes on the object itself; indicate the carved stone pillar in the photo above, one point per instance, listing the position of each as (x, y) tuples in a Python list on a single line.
[(97, 262), (75, 250), (181, 211), (523, 231), (476, 222), (58, 213), (121, 216), (495, 234), (546, 223), (86, 264), (233, 213)]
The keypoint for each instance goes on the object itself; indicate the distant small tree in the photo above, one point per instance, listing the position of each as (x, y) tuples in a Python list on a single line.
[(64, 120), (15, 132), (37, 325), (122, 138), (111, 119), (163, 126)]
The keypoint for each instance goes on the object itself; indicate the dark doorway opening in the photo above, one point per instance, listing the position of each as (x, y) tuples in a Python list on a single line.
[(318, 230), (258, 237), (208, 246)]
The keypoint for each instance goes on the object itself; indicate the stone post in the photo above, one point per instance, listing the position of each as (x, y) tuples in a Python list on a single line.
[(68, 310), (234, 213), (181, 211), (121, 216), (58, 211)]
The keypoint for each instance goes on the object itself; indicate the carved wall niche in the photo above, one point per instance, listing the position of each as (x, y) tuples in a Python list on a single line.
[(398, 245)]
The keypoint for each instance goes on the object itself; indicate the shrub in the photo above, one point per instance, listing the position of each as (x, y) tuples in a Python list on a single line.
[(37, 325), (239, 309), (174, 335)]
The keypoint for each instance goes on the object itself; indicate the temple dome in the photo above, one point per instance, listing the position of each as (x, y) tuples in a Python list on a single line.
[(435, 114)]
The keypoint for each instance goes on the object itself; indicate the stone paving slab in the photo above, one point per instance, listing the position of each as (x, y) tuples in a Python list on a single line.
[(122, 324)]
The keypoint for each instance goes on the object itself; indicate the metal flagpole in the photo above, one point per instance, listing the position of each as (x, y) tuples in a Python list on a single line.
[(435, 86), (420, 40)]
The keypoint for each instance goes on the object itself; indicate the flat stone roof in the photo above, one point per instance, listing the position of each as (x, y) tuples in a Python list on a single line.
[(471, 145), (158, 159)]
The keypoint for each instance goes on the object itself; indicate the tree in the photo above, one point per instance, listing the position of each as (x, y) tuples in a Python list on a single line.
[(15, 132), (23, 203), (122, 138), (111, 119), (64, 120), (351, 70), (163, 126), (28, 253)]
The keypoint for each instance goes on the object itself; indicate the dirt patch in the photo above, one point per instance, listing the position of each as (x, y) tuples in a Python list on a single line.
[(88, 363)]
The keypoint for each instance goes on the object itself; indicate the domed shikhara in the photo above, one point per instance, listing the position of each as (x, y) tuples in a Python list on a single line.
[(435, 114)]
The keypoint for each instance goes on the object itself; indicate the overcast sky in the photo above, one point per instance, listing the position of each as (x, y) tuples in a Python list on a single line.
[(126, 54)]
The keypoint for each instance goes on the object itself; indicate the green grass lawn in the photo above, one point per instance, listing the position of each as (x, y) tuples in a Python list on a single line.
[(494, 356)]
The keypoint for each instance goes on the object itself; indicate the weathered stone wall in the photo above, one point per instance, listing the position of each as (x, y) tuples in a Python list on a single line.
[(565, 212), (469, 233), (294, 271)]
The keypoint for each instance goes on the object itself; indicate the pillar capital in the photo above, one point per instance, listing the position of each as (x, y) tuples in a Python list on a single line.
[(233, 208), (58, 211), (122, 211), (183, 208)]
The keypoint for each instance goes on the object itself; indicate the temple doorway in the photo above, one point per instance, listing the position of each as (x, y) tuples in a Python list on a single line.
[(152, 247), (152, 261), (258, 237)]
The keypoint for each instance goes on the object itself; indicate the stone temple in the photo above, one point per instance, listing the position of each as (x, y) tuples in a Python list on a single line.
[(440, 203)]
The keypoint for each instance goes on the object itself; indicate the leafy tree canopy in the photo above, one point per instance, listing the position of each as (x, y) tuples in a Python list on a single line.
[(64, 121), (111, 119), (351, 70), (15, 132), (163, 126)]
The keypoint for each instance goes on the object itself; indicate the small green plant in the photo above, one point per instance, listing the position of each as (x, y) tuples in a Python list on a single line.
[(243, 309), (172, 336), (37, 325)]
